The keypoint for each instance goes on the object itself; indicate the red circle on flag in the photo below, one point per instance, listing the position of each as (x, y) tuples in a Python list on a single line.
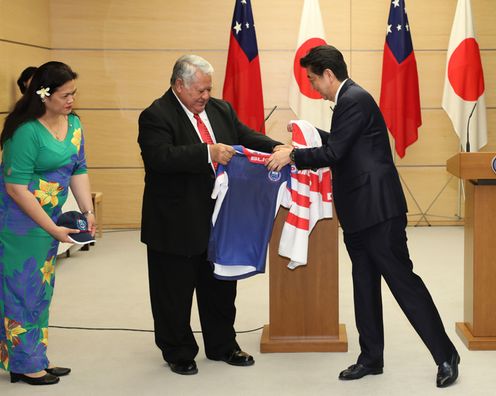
[(465, 70), (300, 73)]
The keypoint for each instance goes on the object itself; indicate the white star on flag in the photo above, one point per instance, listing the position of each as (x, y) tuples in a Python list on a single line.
[(389, 29), (398, 28), (396, 3), (237, 27)]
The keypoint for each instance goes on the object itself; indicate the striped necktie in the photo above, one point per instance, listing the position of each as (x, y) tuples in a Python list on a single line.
[(202, 128), (204, 133)]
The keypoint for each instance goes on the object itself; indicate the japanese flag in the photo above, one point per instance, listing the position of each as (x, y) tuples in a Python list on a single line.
[(463, 97), (306, 102)]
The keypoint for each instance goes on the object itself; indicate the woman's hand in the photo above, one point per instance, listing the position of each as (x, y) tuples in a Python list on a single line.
[(61, 234), (90, 217)]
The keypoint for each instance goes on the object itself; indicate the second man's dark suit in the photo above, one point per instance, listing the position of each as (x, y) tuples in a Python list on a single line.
[(371, 208), (176, 220)]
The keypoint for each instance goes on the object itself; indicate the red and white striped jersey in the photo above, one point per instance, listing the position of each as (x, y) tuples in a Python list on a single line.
[(311, 194)]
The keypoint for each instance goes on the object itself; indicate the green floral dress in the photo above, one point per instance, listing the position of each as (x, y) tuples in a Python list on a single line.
[(32, 157)]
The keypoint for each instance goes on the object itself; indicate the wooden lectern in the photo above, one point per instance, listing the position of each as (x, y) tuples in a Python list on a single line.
[(304, 302), (478, 331)]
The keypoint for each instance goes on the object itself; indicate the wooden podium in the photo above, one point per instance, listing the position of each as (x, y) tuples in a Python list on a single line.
[(304, 302), (478, 331)]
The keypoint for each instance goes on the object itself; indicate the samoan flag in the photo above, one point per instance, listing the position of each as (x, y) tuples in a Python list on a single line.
[(400, 99), (243, 82)]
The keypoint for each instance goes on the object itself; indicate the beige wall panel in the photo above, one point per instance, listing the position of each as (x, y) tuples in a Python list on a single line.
[(365, 69), (431, 187), (484, 14), (370, 22), (276, 69), (14, 59), (25, 21), (430, 22), (129, 79), (146, 24), (489, 67), (436, 141), (491, 130), (275, 127), (122, 195), (425, 33), (202, 25), (110, 138), (277, 23), (336, 15)]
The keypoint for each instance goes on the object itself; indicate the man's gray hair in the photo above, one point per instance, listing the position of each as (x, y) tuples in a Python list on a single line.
[(186, 67)]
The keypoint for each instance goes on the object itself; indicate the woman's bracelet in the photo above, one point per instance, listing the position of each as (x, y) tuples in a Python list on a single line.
[(88, 212)]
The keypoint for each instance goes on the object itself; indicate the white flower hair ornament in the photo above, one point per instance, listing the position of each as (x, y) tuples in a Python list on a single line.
[(43, 92)]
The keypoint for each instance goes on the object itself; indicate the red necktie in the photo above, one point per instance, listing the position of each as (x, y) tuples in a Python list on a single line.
[(204, 133), (202, 128)]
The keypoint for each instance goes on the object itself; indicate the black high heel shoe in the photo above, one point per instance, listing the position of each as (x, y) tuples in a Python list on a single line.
[(58, 371), (47, 379)]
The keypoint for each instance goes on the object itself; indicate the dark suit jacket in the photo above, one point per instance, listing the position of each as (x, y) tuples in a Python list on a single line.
[(366, 185), (177, 207)]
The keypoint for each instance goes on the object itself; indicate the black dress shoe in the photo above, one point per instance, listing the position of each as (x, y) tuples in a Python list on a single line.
[(58, 371), (357, 371), (447, 372), (238, 358), (184, 368), (47, 379)]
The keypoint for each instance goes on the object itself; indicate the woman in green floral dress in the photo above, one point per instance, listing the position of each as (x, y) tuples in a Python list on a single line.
[(43, 154)]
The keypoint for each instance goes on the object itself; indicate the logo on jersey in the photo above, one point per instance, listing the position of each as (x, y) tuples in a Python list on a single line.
[(274, 176), (256, 159)]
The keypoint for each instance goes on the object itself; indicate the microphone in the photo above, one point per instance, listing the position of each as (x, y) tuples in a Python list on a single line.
[(266, 118), (467, 147)]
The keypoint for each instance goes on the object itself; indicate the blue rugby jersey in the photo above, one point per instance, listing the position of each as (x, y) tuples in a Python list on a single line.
[(248, 197)]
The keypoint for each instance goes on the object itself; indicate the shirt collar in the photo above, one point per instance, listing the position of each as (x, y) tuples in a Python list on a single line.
[(339, 90)]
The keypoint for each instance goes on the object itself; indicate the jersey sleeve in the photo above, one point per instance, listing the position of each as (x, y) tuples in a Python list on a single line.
[(219, 192), (20, 154)]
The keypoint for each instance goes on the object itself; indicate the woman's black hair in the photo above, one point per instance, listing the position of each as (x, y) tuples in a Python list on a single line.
[(50, 75), (26, 74)]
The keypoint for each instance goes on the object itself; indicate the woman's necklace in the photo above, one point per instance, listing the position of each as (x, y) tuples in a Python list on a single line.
[(58, 130)]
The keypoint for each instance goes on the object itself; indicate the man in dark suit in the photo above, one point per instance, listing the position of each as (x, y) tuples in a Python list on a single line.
[(371, 207), (183, 136)]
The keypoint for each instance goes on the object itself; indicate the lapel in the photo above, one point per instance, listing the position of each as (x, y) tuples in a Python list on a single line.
[(185, 125), (215, 122)]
